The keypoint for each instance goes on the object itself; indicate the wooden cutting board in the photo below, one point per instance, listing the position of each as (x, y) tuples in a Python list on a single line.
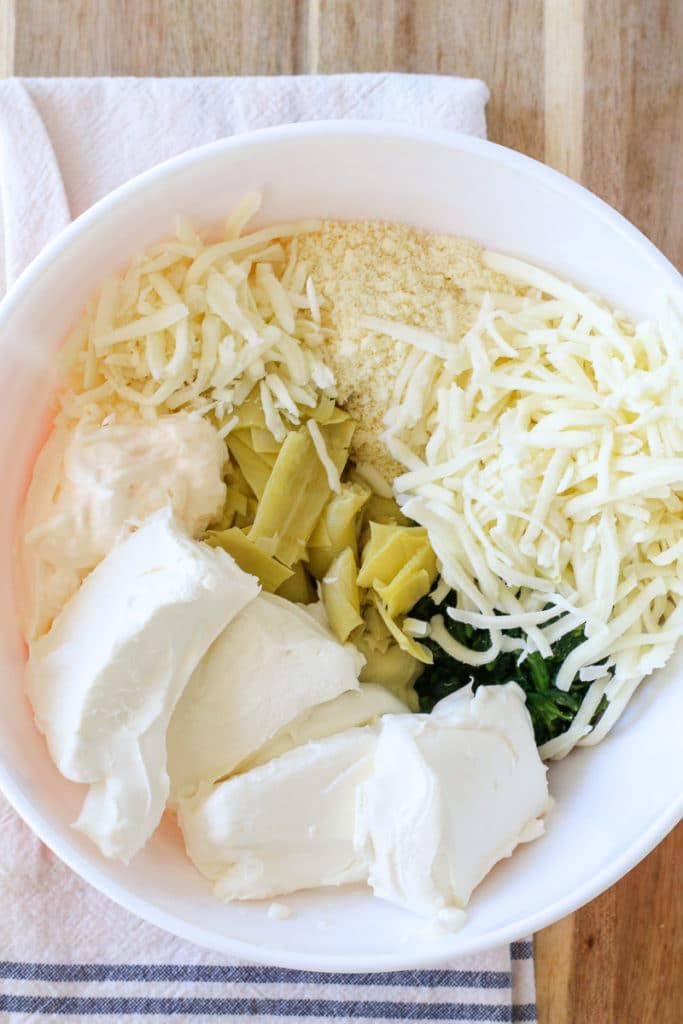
[(594, 89)]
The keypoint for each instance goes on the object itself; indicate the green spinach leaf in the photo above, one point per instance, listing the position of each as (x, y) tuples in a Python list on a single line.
[(552, 711)]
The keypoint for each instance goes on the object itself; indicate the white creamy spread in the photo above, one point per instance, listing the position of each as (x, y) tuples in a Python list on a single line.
[(349, 711), (286, 825), (450, 794), (422, 806), (92, 484), (273, 663), (105, 680)]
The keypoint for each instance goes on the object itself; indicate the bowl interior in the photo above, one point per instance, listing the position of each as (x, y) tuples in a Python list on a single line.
[(614, 802)]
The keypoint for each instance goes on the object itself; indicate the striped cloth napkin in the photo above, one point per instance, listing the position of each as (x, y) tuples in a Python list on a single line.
[(68, 953)]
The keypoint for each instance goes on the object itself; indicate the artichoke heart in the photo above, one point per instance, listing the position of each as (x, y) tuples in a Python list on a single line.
[(255, 467), (297, 490), (341, 596), (249, 557), (336, 528)]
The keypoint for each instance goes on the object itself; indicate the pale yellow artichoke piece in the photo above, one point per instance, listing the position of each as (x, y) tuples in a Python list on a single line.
[(234, 478), (320, 538), (405, 642), (375, 635), (338, 435), (235, 503), (340, 595), (377, 508), (379, 535), (395, 670), (325, 410), (263, 442), (244, 520), (388, 550), (250, 412), (256, 467), (411, 583), (384, 510), (298, 587), (403, 592), (338, 524), (292, 500), (250, 558)]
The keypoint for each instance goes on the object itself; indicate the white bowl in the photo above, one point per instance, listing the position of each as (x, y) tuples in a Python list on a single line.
[(613, 802)]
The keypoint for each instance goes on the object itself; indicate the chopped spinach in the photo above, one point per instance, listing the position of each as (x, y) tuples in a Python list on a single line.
[(552, 711)]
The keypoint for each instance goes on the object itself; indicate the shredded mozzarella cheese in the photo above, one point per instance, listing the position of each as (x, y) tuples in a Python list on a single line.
[(545, 459), (440, 635)]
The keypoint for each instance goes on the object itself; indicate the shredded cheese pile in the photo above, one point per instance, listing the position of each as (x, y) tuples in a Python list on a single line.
[(544, 454), (197, 326)]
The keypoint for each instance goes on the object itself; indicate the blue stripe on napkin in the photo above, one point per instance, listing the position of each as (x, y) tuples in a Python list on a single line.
[(246, 973), (300, 1009), (80, 991)]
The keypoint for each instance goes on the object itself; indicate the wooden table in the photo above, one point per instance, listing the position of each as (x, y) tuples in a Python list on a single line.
[(594, 89)]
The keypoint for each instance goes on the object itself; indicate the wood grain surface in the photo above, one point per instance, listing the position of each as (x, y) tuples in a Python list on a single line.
[(593, 88)]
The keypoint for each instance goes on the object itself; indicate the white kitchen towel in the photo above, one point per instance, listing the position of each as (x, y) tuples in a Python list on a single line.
[(66, 952), (66, 142)]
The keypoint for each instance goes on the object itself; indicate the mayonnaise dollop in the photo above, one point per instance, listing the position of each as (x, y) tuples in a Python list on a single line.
[(286, 825), (92, 485), (105, 680), (450, 794), (274, 662)]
